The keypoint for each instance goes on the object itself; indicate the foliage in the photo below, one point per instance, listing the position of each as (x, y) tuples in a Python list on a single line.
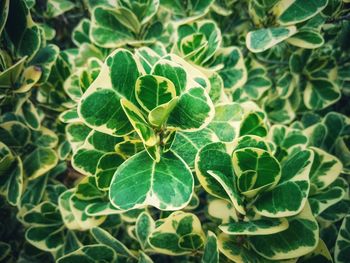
[(174, 131)]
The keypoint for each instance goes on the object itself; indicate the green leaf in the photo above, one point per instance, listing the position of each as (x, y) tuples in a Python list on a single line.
[(145, 225), (230, 189), (30, 115), (215, 157), (222, 210), (144, 11), (211, 251), (80, 33), (96, 145), (200, 43), (140, 124), (144, 258), (199, 111), (108, 26), (287, 138), (187, 144), (45, 230), (159, 115), (166, 185), (300, 238), (226, 121), (194, 76), (49, 31), (249, 162), (71, 244), (322, 200), (69, 116), (262, 226), (237, 251), (35, 188), (45, 59), (66, 210), (100, 106), (76, 134), (21, 29), (285, 85), (101, 208), (189, 10), (129, 147), (103, 237), (106, 167), (90, 254), (44, 214), (253, 141), (55, 8), (296, 11), (4, 13), (257, 83), (281, 110), (234, 72), (180, 234), (47, 238), (6, 158), (84, 221), (148, 58), (14, 133), (173, 72), (306, 38), (342, 252), (216, 87), (30, 77), (152, 91), (11, 75), (320, 254), (263, 39), (11, 176), (320, 93), (142, 128), (325, 169), (39, 162), (294, 181), (87, 190), (253, 124), (44, 138)]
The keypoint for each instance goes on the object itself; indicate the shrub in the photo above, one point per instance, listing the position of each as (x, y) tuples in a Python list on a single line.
[(174, 131)]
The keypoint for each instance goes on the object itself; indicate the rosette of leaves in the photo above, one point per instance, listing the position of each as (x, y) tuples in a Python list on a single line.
[(309, 83), (26, 154), (200, 43), (86, 48), (22, 65), (124, 22), (294, 21), (317, 77), (328, 189), (250, 174), (51, 94), (49, 224), (330, 133), (181, 230), (76, 84), (150, 106), (255, 86)]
